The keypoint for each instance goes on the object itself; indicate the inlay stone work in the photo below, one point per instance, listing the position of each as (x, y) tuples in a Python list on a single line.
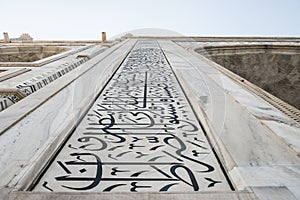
[(38, 82), (44, 79), (139, 136)]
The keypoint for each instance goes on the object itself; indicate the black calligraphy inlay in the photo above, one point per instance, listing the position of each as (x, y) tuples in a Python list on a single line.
[(140, 135)]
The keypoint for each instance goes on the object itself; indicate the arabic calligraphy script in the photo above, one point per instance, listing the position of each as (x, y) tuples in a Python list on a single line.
[(140, 135)]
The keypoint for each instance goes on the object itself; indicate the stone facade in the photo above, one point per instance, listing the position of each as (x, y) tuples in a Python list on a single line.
[(149, 118)]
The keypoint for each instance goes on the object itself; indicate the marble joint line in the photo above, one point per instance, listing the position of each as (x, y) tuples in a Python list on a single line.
[(140, 135)]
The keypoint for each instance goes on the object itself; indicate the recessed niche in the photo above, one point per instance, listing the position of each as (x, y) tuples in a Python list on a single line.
[(274, 68)]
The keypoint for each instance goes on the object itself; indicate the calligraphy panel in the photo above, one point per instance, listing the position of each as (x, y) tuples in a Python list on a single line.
[(140, 135)]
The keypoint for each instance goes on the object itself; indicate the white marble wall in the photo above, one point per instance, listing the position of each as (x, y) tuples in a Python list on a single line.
[(249, 134), (27, 143), (49, 72), (257, 144)]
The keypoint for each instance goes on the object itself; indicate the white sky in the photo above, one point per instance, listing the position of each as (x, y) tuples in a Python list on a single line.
[(86, 19)]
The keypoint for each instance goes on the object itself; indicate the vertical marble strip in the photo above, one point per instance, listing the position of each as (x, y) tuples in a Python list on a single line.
[(140, 135)]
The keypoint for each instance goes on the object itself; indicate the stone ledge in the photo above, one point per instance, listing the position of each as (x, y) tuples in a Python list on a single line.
[(139, 195), (44, 61), (37, 99), (19, 171), (9, 73)]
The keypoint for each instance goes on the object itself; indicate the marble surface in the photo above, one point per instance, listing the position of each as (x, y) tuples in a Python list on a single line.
[(263, 179), (257, 145), (19, 162), (273, 68), (27, 53), (49, 64), (130, 196), (280, 46), (49, 73), (139, 136), (273, 193), (247, 132), (8, 72)]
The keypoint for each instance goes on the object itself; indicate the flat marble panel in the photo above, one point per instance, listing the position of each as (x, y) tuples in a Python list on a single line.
[(290, 134), (273, 193), (250, 142), (268, 176), (279, 124)]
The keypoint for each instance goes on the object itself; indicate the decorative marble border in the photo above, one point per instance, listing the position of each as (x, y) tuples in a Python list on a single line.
[(9, 96), (30, 86), (44, 79)]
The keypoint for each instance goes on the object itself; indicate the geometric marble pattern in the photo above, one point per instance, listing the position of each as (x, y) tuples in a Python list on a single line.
[(140, 135)]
